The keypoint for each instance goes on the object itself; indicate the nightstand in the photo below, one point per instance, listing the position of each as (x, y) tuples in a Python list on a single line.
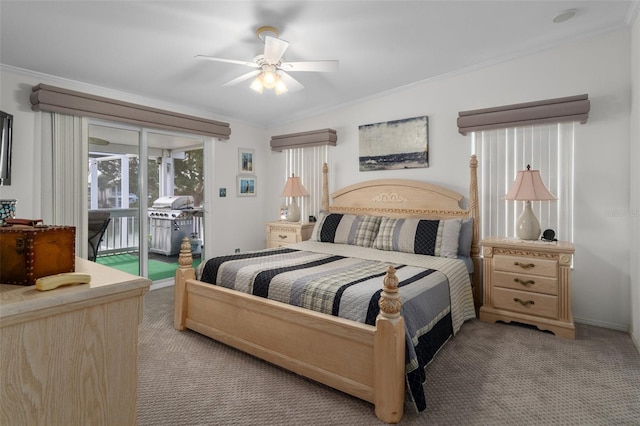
[(528, 282), (281, 233)]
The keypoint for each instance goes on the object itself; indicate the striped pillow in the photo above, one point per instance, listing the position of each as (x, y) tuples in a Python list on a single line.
[(430, 237), (346, 229)]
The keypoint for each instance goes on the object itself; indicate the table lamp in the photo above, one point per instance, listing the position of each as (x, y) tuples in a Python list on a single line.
[(528, 187), (293, 188)]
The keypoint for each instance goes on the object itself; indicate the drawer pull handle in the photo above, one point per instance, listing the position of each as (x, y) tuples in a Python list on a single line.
[(524, 302), (282, 237), (524, 265), (525, 283)]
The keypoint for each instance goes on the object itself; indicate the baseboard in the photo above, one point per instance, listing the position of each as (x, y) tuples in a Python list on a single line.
[(155, 285), (618, 327)]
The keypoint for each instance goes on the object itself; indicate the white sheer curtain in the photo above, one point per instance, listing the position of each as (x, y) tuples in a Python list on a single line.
[(307, 164), (502, 153), (64, 159)]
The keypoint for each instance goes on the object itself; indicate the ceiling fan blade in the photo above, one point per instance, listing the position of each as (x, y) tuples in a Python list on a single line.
[(274, 48), (242, 78), (291, 83), (315, 66), (230, 61)]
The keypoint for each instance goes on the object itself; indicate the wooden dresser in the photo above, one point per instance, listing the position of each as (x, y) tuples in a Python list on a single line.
[(281, 233), (69, 356), (528, 282)]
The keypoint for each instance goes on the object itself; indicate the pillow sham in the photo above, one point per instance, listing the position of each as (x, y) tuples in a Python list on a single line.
[(466, 237), (346, 229), (318, 225), (420, 236)]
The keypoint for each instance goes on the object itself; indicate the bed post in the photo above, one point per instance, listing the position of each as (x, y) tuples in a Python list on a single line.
[(184, 272), (389, 348), (325, 187), (474, 212)]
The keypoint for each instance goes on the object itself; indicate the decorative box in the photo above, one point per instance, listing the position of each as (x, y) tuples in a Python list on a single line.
[(31, 252)]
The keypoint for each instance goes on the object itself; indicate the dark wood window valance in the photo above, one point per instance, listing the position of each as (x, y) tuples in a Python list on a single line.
[(304, 139), (55, 99), (572, 108)]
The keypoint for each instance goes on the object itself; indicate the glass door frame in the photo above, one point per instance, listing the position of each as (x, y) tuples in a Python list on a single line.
[(143, 189)]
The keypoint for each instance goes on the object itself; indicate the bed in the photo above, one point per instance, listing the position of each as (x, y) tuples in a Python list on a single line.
[(371, 347)]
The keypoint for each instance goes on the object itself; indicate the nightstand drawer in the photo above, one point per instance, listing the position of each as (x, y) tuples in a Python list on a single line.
[(540, 305), (283, 233), (533, 283), (279, 237), (528, 265)]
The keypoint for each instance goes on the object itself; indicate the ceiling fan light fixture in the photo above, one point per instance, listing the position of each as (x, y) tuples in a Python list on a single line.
[(269, 76), (269, 65), (257, 84), (281, 88)]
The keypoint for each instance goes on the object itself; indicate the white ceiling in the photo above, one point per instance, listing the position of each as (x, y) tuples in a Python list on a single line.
[(147, 47)]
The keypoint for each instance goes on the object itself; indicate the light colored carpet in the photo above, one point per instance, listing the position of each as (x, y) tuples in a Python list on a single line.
[(489, 374)]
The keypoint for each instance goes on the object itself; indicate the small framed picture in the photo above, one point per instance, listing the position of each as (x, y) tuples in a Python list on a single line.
[(245, 160), (246, 186), (284, 212)]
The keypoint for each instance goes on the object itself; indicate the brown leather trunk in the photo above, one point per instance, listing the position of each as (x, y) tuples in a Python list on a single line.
[(31, 252)]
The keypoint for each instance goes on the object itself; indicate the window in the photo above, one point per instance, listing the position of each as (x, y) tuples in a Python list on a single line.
[(307, 164), (502, 153)]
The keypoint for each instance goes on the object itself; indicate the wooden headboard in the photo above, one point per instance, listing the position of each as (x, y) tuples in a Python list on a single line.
[(411, 198)]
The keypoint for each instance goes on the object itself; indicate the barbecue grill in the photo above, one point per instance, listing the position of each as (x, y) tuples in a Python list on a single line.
[(170, 220)]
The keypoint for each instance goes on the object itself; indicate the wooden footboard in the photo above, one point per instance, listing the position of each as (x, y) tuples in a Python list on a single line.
[(361, 360)]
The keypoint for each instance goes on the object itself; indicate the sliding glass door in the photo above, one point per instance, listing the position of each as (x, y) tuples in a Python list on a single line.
[(136, 175), (114, 191)]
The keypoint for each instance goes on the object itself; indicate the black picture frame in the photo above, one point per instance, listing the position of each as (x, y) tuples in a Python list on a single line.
[(6, 120)]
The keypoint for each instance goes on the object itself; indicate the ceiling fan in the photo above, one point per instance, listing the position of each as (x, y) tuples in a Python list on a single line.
[(271, 71)]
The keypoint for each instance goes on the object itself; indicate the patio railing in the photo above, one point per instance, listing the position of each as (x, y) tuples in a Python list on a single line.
[(122, 233)]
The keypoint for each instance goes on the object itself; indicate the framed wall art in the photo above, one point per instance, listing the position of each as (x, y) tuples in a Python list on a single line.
[(392, 145), (246, 185), (245, 160)]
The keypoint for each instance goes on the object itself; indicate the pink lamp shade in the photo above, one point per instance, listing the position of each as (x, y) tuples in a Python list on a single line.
[(528, 187), (294, 188)]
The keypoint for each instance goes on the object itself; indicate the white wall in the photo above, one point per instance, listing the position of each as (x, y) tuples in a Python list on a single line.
[(634, 162), (238, 222), (599, 66)]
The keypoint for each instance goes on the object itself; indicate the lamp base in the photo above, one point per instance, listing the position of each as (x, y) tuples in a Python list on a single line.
[(293, 213), (528, 227)]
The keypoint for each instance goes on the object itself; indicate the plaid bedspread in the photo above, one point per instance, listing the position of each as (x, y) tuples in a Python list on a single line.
[(314, 276)]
